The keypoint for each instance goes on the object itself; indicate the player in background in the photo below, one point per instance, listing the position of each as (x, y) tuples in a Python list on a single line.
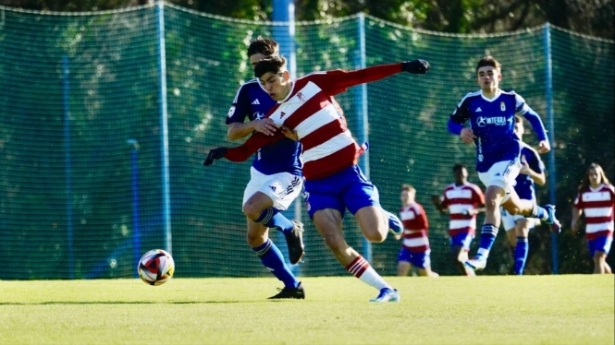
[(490, 113), (275, 177), (333, 180), (415, 249), (463, 201), (596, 198), (517, 226)]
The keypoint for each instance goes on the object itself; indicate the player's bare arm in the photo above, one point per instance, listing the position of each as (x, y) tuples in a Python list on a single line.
[(238, 130), (538, 177), (544, 146)]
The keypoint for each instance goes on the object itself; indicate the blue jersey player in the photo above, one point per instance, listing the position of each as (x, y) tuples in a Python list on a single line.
[(490, 114), (275, 177), (517, 226)]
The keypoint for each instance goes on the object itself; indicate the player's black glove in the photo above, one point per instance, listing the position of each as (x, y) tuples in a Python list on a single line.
[(214, 154), (415, 66)]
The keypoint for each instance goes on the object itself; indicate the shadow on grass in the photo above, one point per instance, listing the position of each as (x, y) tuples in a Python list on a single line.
[(121, 302)]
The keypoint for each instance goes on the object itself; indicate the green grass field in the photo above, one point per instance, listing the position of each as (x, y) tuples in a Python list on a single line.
[(573, 309)]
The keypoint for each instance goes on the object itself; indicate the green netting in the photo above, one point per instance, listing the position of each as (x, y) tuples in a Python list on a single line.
[(80, 199)]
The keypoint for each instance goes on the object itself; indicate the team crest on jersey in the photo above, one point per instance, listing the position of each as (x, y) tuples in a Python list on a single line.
[(502, 106), (231, 111)]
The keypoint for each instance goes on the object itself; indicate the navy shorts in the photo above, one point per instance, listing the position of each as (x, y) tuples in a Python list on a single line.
[(348, 190), (418, 260)]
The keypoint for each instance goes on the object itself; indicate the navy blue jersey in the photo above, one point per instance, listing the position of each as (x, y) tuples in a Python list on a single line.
[(525, 185), (253, 102), (493, 124)]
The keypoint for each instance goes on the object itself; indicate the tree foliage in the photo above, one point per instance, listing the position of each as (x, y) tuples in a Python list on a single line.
[(591, 17)]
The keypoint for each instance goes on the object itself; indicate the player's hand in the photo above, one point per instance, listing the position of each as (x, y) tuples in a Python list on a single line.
[(289, 133), (544, 146), (467, 135), (525, 168), (265, 126), (213, 155), (436, 200), (415, 66)]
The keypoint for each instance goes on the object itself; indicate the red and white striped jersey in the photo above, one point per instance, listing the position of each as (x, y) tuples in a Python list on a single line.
[(598, 205), (459, 200), (415, 223), (311, 111)]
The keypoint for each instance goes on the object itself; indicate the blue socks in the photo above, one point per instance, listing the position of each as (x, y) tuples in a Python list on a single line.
[(272, 218), (521, 251), (272, 258), (488, 234)]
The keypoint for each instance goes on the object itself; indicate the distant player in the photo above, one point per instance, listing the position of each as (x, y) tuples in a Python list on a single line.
[(334, 182), (490, 115), (415, 249), (275, 177), (517, 226), (596, 198), (463, 201)]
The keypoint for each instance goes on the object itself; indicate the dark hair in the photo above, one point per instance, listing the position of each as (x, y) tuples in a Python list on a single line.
[(274, 64), (585, 182), (408, 188), (488, 61), (265, 46), (518, 119), (457, 167)]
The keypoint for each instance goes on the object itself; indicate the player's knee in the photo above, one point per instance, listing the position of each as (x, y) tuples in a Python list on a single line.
[(512, 209), (252, 210), (376, 237)]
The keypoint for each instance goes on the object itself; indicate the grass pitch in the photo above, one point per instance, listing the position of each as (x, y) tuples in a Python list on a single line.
[(572, 309)]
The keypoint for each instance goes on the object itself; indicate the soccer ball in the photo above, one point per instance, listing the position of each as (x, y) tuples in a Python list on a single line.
[(156, 267)]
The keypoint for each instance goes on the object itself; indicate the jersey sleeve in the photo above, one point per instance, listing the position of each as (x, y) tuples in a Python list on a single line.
[(479, 197), (458, 118), (338, 81), (246, 150), (445, 202), (240, 108), (534, 162), (422, 217), (578, 203), (532, 117)]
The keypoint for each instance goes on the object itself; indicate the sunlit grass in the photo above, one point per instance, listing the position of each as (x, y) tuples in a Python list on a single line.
[(575, 309)]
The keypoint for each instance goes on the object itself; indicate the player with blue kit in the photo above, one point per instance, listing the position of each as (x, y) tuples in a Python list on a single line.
[(490, 114), (275, 177)]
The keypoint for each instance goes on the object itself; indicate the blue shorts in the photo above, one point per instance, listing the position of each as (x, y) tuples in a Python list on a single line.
[(463, 240), (418, 260), (600, 244), (347, 189)]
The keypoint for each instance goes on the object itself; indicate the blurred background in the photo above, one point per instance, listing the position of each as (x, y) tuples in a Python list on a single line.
[(108, 107)]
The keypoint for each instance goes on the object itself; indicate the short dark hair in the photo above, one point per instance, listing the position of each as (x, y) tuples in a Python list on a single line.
[(265, 46), (457, 167), (488, 61), (518, 119), (274, 64)]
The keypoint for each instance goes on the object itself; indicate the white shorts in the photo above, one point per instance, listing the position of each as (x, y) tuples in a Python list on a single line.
[(502, 174), (282, 188), (510, 222)]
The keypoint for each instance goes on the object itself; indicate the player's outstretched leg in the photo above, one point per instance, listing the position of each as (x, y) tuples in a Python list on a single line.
[(293, 232), (271, 257), (487, 237), (521, 250)]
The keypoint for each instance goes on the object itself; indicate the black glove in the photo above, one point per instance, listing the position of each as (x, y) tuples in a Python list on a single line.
[(415, 66), (214, 154)]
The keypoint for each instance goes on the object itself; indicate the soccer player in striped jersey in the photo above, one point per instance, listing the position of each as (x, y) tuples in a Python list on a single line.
[(463, 201), (596, 198), (333, 180), (415, 249), (275, 177), (517, 226), (490, 113)]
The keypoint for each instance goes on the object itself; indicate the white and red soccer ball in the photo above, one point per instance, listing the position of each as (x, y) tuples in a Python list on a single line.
[(156, 267)]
